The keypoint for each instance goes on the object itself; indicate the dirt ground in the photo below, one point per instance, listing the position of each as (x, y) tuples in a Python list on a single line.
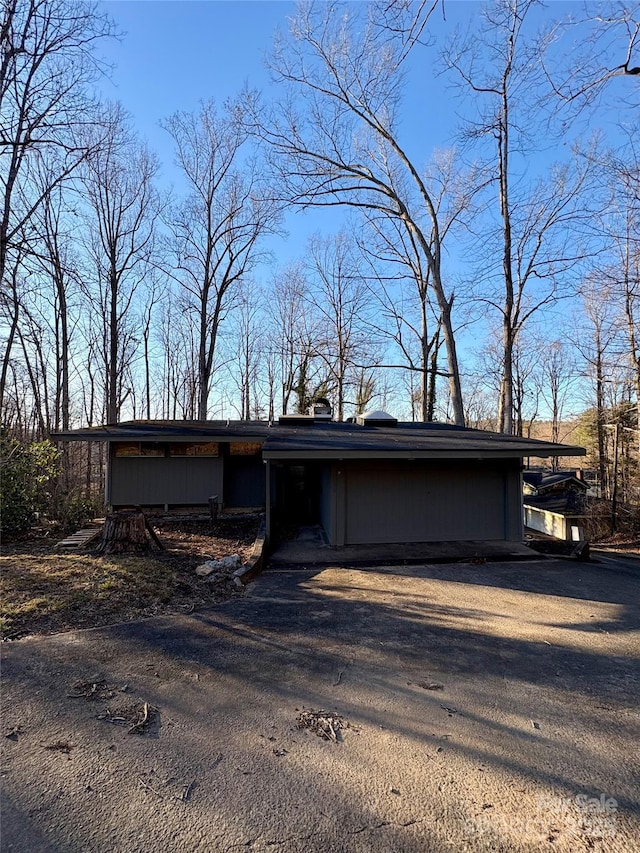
[(475, 708), (45, 589)]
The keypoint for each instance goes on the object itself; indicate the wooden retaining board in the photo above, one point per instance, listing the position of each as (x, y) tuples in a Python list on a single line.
[(82, 537)]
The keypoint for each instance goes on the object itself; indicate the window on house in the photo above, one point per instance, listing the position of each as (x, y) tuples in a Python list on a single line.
[(194, 448), (127, 448), (244, 448), (139, 448), (151, 448)]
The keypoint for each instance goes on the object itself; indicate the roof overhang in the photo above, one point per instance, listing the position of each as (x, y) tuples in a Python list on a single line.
[(333, 440), (173, 431), (442, 453), (404, 441)]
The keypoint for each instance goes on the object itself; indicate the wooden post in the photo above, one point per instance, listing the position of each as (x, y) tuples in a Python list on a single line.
[(213, 510)]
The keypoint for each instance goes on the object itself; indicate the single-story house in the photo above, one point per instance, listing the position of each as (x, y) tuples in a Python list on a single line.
[(554, 504), (370, 480), (539, 483)]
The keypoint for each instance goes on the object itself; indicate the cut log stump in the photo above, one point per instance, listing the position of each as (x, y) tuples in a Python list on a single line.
[(125, 530)]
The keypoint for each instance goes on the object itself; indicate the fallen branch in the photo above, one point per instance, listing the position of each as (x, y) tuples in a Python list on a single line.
[(136, 727), (323, 723), (186, 791), (136, 717), (149, 788)]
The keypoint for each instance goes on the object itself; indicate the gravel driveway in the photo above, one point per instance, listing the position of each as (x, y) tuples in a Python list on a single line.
[(475, 707)]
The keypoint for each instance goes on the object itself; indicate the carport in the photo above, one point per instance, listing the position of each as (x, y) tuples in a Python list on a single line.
[(377, 481)]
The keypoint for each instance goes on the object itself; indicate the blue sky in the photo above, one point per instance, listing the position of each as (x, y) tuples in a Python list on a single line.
[(176, 52), (173, 54)]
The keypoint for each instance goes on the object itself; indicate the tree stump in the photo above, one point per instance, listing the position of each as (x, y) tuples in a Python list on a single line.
[(124, 531)]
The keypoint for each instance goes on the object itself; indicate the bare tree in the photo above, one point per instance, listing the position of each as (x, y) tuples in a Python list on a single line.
[(591, 50), (365, 390), (535, 243), (401, 279), (218, 226), (405, 20), (623, 225), (156, 293), (118, 180), (10, 311), (32, 336), (334, 134), (342, 299), (556, 381), (59, 267), (47, 60), (179, 365), (526, 356), (249, 321), (295, 337), (596, 347)]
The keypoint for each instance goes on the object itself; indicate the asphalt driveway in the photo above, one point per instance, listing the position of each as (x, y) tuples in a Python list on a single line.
[(485, 707)]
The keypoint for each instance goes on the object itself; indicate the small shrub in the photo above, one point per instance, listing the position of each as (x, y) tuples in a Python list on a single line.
[(76, 510), (26, 472)]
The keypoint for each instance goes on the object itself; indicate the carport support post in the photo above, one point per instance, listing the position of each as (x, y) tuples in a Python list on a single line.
[(341, 505), (267, 502)]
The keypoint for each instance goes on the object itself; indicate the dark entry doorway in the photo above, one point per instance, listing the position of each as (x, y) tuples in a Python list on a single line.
[(297, 498)]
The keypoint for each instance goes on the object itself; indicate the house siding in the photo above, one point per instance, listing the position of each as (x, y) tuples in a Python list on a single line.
[(244, 482), (427, 502), (327, 502), (154, 481)]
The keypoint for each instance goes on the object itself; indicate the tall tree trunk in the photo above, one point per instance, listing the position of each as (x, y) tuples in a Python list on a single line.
[(112, 392), (634, 343), (35, 388), (505, 412), (203, 377), (600, 416), (435, 349), (455, 387), (10, 339)]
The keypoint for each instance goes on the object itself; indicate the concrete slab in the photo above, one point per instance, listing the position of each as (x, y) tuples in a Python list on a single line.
[(309, 548)]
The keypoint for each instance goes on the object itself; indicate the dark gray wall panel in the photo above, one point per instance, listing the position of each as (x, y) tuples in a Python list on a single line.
[(244, 481), (175, 480), (327, 503), (423, 502)]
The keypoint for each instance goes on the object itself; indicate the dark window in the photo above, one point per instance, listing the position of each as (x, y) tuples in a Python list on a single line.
[(245, 448), (194, 448)]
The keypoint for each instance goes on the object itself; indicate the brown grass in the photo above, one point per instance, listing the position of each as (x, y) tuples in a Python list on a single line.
[(44, 591), (56, 591)]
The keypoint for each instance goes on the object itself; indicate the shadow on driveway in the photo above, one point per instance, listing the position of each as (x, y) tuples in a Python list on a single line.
[(471, 692)]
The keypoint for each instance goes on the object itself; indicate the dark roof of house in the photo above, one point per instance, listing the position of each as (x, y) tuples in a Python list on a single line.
[(170, 431), (331, 440), (406, 440), (557, 483), (532, 478), (568, 503)]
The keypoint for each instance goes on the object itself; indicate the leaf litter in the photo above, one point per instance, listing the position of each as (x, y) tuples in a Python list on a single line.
[(324, 724)]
